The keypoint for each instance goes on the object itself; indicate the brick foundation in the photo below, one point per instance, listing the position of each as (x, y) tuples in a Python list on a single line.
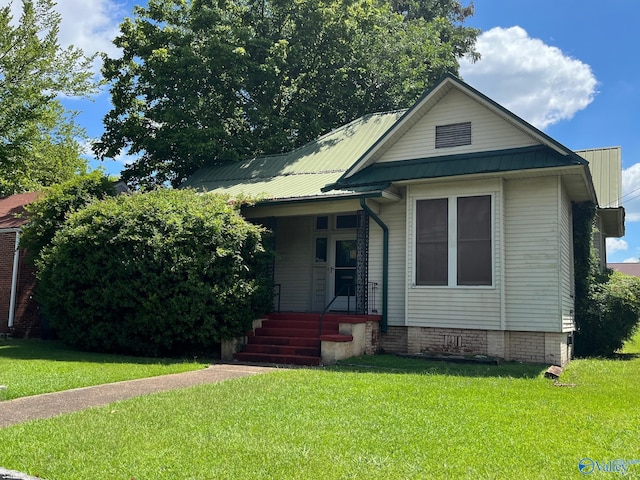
[(372, 338), (531, 347)]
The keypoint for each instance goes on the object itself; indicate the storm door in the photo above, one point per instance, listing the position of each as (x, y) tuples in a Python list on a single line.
[(343, 275)]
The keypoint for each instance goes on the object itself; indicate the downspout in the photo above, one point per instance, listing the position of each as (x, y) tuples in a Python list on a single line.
[(385, 261), (14, 281)]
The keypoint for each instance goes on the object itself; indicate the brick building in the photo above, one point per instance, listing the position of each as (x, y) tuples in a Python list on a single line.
[(19, 312)]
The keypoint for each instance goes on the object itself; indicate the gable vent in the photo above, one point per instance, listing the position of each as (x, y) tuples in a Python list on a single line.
[(453, 135)]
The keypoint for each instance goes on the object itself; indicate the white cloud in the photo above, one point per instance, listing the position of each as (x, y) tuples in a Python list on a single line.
[(534, 80), (631, 260), (631, 192), (89, 25), (123, 159), (127, 159), (616, 245)]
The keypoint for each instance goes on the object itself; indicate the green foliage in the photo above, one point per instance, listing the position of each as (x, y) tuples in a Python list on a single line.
[(202, 80), (586, 263), (612, 317), (607, 304), (48, 214), (158, 273), (38, 137)]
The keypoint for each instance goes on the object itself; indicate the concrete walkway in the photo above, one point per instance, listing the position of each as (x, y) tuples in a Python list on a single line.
[(53, 404)]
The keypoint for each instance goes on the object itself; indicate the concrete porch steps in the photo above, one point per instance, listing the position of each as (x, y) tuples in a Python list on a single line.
[(289, 338)]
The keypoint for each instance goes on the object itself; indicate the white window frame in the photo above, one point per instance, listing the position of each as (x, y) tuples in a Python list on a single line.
[(452, 252)]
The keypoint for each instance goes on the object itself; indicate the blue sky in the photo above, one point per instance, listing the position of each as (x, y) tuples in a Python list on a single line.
[(569, 67)]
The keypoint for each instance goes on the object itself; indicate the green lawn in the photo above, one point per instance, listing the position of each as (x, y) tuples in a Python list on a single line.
[(388, 419), (31, 367)]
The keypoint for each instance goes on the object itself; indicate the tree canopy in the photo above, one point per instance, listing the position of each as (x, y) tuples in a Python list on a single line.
[(205, 80), (39, 141)]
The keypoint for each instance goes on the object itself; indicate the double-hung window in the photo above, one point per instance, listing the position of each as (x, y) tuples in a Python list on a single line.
[(454, 241)]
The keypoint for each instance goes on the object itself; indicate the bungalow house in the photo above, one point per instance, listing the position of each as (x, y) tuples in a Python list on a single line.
[(445, 228), (19, 312)]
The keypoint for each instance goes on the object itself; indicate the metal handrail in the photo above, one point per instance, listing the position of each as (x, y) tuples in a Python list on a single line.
[(373, 286), (348, 286), (279, 287)]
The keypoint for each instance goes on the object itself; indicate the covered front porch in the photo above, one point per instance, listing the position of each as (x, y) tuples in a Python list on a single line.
[(328, 295)]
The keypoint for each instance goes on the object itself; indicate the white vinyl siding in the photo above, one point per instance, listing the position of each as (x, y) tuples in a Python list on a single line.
[(294, 260), (532, 257), (567, 280), (393, 215), (488, 131), (477, 307)]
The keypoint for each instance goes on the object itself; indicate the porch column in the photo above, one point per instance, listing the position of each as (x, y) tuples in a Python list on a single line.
[(362, 263)]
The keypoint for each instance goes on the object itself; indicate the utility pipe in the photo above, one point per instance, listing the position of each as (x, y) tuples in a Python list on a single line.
[(385, 261), (14, 280)]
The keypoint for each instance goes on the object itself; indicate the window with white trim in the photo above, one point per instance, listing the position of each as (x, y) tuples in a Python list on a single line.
[(454, 241)]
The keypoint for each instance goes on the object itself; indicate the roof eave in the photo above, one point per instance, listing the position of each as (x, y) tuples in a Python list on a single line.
[(328, 198), (583, 192)]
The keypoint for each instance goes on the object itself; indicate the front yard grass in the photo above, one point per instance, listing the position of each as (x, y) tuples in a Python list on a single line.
[(32, 367), (389, 419)]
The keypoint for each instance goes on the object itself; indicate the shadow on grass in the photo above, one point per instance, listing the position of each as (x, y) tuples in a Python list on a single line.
[(393, 364), (55, 350), (621, 356), (626, 356)]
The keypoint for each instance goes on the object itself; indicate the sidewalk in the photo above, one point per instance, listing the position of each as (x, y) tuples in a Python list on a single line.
[(53, 404)]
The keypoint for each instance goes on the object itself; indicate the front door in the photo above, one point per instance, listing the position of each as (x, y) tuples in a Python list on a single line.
[(343, 278)]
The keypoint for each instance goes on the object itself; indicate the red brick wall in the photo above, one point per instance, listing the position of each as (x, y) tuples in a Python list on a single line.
[(26, 321), (7, 244)]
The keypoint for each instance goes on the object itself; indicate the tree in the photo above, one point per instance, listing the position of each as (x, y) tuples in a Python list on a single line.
[(39, 141), (204, 80), (159, 273)]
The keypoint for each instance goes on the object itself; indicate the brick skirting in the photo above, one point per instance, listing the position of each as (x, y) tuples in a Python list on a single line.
[(532, 347)]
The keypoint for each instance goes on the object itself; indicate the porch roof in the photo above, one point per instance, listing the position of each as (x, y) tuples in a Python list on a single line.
[(535, 157), (301, 173)]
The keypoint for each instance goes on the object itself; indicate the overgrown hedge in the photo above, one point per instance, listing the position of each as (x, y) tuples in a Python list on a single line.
[(58, 202), (607, 304), (612, 317), (161, 273)]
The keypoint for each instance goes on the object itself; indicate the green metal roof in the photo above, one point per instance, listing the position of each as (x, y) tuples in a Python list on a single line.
[(300, 173), (539, 156), (343, 162)]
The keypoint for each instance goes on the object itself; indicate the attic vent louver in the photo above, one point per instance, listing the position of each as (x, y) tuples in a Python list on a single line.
[(453, 135)]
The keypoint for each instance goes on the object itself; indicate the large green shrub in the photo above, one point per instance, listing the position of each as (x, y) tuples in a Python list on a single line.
[(612, 315), (607, 304), (58, 202), (159, 273)]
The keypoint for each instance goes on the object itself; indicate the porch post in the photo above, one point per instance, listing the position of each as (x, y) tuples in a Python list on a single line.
[(385, 261), (362, 263)]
